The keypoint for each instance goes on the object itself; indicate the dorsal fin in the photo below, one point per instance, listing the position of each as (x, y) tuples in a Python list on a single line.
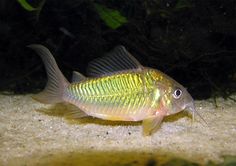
[(117, 60), (77, 77)]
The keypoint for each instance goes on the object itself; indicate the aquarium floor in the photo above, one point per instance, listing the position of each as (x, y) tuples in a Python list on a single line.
[(29, 136)]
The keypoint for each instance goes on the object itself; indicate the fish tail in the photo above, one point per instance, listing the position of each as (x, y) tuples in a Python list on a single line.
[(57, 83)]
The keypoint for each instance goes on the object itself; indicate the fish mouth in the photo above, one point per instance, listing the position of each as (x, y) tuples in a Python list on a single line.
[(192, 109)]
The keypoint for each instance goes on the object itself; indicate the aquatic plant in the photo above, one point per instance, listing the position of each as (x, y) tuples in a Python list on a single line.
[(111, 17), (27, 6)]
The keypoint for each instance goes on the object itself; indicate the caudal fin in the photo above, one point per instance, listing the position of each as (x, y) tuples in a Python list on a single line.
[(55, 88)]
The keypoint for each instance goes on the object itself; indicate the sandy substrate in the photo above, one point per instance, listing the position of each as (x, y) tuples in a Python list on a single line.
[(30, 137)]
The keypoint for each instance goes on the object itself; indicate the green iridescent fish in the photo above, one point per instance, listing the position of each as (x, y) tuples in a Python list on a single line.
[(119, 89)]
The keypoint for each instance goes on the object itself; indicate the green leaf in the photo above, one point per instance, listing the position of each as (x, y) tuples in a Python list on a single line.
[(26, 5), (111, 17), (183, 4)]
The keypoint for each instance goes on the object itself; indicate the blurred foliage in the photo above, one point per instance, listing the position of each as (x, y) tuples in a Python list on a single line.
[(192, 41), (174, 161), (182, 4), (26, 5), (179, 162), (229, 161), (111, 17)]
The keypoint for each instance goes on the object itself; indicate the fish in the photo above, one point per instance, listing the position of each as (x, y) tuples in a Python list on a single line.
[(117, 88)]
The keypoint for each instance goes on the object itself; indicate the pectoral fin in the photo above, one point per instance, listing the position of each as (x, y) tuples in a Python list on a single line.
[(150, 124)]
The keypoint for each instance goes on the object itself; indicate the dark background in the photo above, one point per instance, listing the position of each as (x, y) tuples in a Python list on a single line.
[(192, 41)]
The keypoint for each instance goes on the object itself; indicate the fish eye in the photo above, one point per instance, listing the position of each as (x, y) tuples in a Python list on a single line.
[(177, 93)]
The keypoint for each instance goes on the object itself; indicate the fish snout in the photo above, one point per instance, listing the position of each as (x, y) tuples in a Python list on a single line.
[(190, 107)]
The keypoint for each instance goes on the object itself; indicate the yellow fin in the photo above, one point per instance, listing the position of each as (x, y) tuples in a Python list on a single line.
[(150, 124)]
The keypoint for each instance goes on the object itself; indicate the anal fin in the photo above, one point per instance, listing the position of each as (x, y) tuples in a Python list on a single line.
[(75, 113)]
